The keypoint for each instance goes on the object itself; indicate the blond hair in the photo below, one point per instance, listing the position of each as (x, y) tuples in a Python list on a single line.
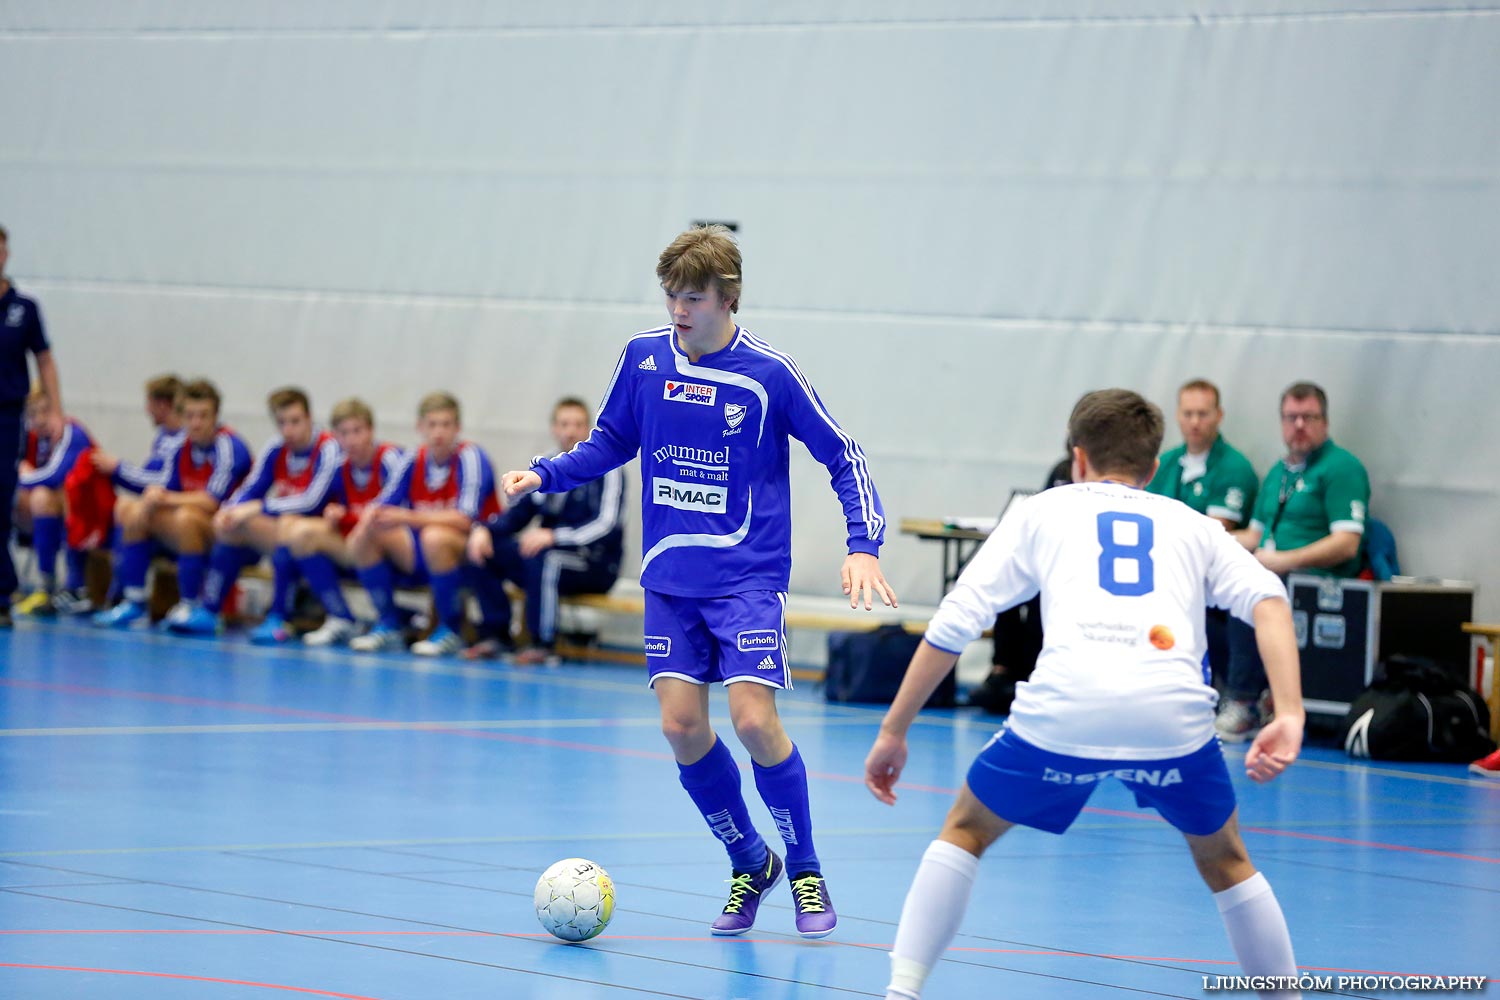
[(352, 408)]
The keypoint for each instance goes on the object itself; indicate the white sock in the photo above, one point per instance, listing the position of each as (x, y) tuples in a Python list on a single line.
[(934, 908), (1257, 932)]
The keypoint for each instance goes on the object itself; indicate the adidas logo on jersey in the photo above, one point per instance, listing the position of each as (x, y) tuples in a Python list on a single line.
[(649, 365), (766, 664)]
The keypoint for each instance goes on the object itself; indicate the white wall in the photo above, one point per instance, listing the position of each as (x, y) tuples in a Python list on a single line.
[(957, 215)]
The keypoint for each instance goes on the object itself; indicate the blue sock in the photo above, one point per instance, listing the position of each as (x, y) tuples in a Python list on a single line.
[(135, 560), (224, 565), (77, 560), (283, 580), (783, 788), (191, 567), (323, 577), (714, 785), (46, 540), (116, 547), (380, 583), (445, 601)]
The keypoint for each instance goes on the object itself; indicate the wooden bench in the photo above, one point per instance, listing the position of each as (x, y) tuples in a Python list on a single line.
[(617, 603), (625, 604), (621, 601)]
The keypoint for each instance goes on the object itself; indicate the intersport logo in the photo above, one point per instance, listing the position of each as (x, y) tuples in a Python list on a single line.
[(690, 392)]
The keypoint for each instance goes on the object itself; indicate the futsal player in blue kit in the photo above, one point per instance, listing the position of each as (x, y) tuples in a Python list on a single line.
[(1119, 689), (710, 408)]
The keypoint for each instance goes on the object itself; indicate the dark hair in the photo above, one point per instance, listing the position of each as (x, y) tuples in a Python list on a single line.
[(568, 401), (198, 390), (1204, 385), (1306, 390), (286, 396), (1118, 430)]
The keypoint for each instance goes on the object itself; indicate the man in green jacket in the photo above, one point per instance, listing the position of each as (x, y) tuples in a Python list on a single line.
[(1310, 518), (1213, 477), (1206, 472)]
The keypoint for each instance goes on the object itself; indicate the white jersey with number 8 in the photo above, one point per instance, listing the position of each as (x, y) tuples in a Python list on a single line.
[(1124, 576)]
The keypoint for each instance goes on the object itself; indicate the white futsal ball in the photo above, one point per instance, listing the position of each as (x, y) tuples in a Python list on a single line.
[(574, 899)]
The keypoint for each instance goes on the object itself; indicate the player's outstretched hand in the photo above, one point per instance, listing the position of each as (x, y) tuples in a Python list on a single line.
[(1274, 749), (104, 462), (518, 484), (884, 765), (863, 581)]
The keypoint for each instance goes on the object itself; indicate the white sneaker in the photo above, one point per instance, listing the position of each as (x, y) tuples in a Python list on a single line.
[(333, 632), (179, 613), (73, 602), (1238, 721), (378, 639), (443, 642)]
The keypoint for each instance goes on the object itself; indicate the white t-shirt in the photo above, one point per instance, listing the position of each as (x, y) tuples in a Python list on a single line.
[(1193, 466), (1124, 577)]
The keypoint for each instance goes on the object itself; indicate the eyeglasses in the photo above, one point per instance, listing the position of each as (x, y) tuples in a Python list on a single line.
[(1292, 419)]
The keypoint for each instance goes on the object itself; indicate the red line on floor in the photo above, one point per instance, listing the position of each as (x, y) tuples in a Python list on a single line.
[(879, 946), (657, 755)]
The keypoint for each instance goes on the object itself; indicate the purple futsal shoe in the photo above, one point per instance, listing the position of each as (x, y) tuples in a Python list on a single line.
[(746, 890), (815, 916)]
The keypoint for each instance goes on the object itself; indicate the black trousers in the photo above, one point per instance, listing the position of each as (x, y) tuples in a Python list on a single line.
[(1018, 639), (12, 429)]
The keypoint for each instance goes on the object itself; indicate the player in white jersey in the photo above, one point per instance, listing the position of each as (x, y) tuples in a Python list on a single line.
[(1119, 689)]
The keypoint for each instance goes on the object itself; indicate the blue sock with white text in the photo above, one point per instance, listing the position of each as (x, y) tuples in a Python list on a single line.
[(714, 785), (783, 788)]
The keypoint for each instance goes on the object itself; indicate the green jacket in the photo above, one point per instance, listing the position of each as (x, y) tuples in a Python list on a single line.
[(1331, 492), (1227, 489)]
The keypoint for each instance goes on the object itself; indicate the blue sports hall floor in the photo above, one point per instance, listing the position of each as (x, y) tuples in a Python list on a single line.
[(189, 818)]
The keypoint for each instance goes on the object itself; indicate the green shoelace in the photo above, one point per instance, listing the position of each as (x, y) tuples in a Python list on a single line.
[(738, 886), (806, 891)]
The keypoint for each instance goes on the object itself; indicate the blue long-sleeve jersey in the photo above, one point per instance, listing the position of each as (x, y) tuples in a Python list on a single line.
[(586, 520), (153, 471), (291, 482), (713, 441), (217, 468)]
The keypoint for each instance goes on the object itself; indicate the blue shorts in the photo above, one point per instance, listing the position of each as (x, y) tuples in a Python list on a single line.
[(1033, 787), (707, 639)]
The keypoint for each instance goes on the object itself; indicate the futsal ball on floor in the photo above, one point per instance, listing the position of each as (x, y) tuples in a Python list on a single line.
[(574, 899)]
